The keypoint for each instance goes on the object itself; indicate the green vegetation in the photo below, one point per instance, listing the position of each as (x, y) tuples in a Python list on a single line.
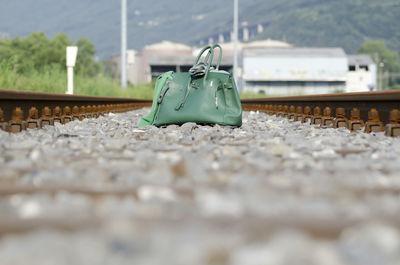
[(381, 54), (55, 81), (37, 63), (388, 61), (37, 53), (346, 24), (251, 95)]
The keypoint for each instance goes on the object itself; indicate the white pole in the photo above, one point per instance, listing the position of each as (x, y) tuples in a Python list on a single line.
[(123, 43), (235, 39), (70, 90), (72, 52)]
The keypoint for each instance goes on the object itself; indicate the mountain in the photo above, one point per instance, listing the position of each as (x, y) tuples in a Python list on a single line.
[(344, 23)]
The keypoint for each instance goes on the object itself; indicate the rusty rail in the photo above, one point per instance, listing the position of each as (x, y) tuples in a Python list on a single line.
[(374, 111), (23, 109), (371, 111)]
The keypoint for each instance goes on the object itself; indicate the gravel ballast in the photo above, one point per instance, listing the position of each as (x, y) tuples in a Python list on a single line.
[(104, 191)]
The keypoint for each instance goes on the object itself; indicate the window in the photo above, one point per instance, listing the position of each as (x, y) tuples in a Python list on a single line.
[(352, 68)]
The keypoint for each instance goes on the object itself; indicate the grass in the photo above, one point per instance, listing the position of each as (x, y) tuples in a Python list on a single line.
[(55, 81), (257, 95), (252, 95)]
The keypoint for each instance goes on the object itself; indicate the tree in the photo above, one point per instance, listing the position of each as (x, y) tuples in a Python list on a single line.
[(85, 63), (39, 53), (378, 51), (385, 58)]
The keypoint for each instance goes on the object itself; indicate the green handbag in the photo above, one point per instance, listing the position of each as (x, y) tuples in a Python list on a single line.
[(204, 95)]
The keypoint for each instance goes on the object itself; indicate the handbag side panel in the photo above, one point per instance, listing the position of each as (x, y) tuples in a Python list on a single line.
[(233, 113)]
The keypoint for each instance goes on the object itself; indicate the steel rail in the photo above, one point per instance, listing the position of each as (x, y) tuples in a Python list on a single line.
[(384, 106), (378, 109), (10, 99), (384, 102)]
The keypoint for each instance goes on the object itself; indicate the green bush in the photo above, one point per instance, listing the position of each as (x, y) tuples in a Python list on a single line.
[(55, 81), (37, 53), (36, 63)]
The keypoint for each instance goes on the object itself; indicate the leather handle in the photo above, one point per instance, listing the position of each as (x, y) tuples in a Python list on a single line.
[(209, 57), (220, 55), (208, 47)]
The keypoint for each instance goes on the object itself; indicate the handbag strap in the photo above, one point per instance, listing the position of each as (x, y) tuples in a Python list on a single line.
[(208, 47), (209, 57), (219, 57)]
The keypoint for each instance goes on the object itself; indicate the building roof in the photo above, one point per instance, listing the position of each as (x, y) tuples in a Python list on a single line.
[(296, 52), (255, 44), (168, 45), (360, 59), (267, 44)]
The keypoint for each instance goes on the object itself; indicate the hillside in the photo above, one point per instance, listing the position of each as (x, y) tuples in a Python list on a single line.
[(345, 23)]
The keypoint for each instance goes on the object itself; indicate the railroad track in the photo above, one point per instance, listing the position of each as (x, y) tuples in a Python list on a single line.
[(20, 110), (371, 111)]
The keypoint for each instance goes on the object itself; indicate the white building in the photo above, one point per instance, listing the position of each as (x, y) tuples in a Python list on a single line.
[(361, 75), (294, 71), (268, 67)]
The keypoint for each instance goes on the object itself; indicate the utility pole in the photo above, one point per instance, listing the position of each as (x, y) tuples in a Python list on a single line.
[(380, 69), (235, 39), (123, 43)]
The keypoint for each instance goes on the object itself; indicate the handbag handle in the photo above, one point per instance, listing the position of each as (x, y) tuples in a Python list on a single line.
[(208, 47), (209, 57), (219, 57)]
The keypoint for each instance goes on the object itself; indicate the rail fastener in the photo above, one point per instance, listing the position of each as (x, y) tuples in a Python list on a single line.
[(307, 117), (374, 124), (3, 124), (340, 120), (327, 119), (67, 115), (292, 112), (46, 118), (32, 122), (393, 127), (355, 123), (299, 114), (57, 115), (317, 117), (17, 123)]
